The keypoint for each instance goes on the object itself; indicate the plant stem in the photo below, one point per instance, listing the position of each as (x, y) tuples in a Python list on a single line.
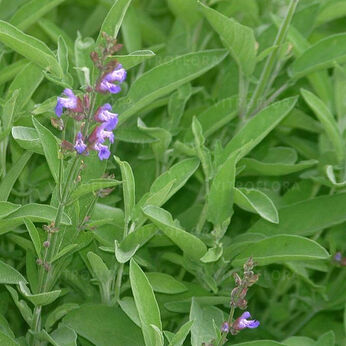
[(44, 276), (230, 322), (271, 60), (121, 267)]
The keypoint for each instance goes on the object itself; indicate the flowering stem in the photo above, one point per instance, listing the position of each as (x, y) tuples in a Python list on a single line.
[(230, 322), (44, 276)]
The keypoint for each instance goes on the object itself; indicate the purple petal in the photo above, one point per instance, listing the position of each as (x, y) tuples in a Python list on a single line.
[(58, 108), (111, 124), (253, 324), (245, 315), (103, 150), (69, 93), (107, 107)]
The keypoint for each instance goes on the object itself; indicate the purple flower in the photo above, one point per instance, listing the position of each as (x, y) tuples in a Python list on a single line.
[(225, 327), (104, 114), (107, 82), (119, 74), (338, 257), (243, 322), (103, 150), (111, 124), (69, 102), (80, 146)]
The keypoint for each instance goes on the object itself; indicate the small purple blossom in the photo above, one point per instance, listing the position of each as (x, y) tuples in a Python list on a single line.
[(338, 257), (107, 82), (111, 124), (225, 327), (103, 113), (69, 102), (243, 322), (80, 146), (102, 134), (103, 151)]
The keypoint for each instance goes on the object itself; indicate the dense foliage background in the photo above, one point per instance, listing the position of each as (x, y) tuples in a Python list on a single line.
[(230, 145)]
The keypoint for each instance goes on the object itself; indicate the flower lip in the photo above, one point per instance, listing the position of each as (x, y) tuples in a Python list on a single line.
[(103, 113), (243, 322), (71, 102), (103, 151), (107, 81), (80, 146)]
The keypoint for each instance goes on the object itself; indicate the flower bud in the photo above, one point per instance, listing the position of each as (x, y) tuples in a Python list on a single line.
[(225, 327), (46, 244)]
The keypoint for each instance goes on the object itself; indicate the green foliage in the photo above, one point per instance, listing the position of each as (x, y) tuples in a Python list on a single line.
[(230, 147)]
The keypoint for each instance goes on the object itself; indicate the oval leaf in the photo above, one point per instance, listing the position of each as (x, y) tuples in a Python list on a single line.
[(282, 248), (191, 245)]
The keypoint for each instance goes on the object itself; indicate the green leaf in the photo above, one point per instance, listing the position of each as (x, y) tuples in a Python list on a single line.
[(7, 208), (31, 11), (215, 117), (133, 135), (327, 339), (179, 173), (254, 167), (9, 275), (7, 340), (33, 211), (147, 307), (10, 71), (62, 55), (179, 338), (45, 298), (136, 239), (99, 268), (321, 55), (27, 138), (164, 283), (128, 305), (261, 343), (213, 254), (258, 127), (255, 201), (162, 136), (65, 336), (111, 24), (281, 248), (12, 176), (328, 122), (237, 38), (59, 313), (202, 152), (35, 237), (165, 78), (191, 245), (306, 217), (131, 30), (134, 58), (50, 148), (221, 195), (331, 11), (128, 188), (26, 81), (93, 186), (66, 250), (21, 305), (30, 47), (104, 326), (202, 330)]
